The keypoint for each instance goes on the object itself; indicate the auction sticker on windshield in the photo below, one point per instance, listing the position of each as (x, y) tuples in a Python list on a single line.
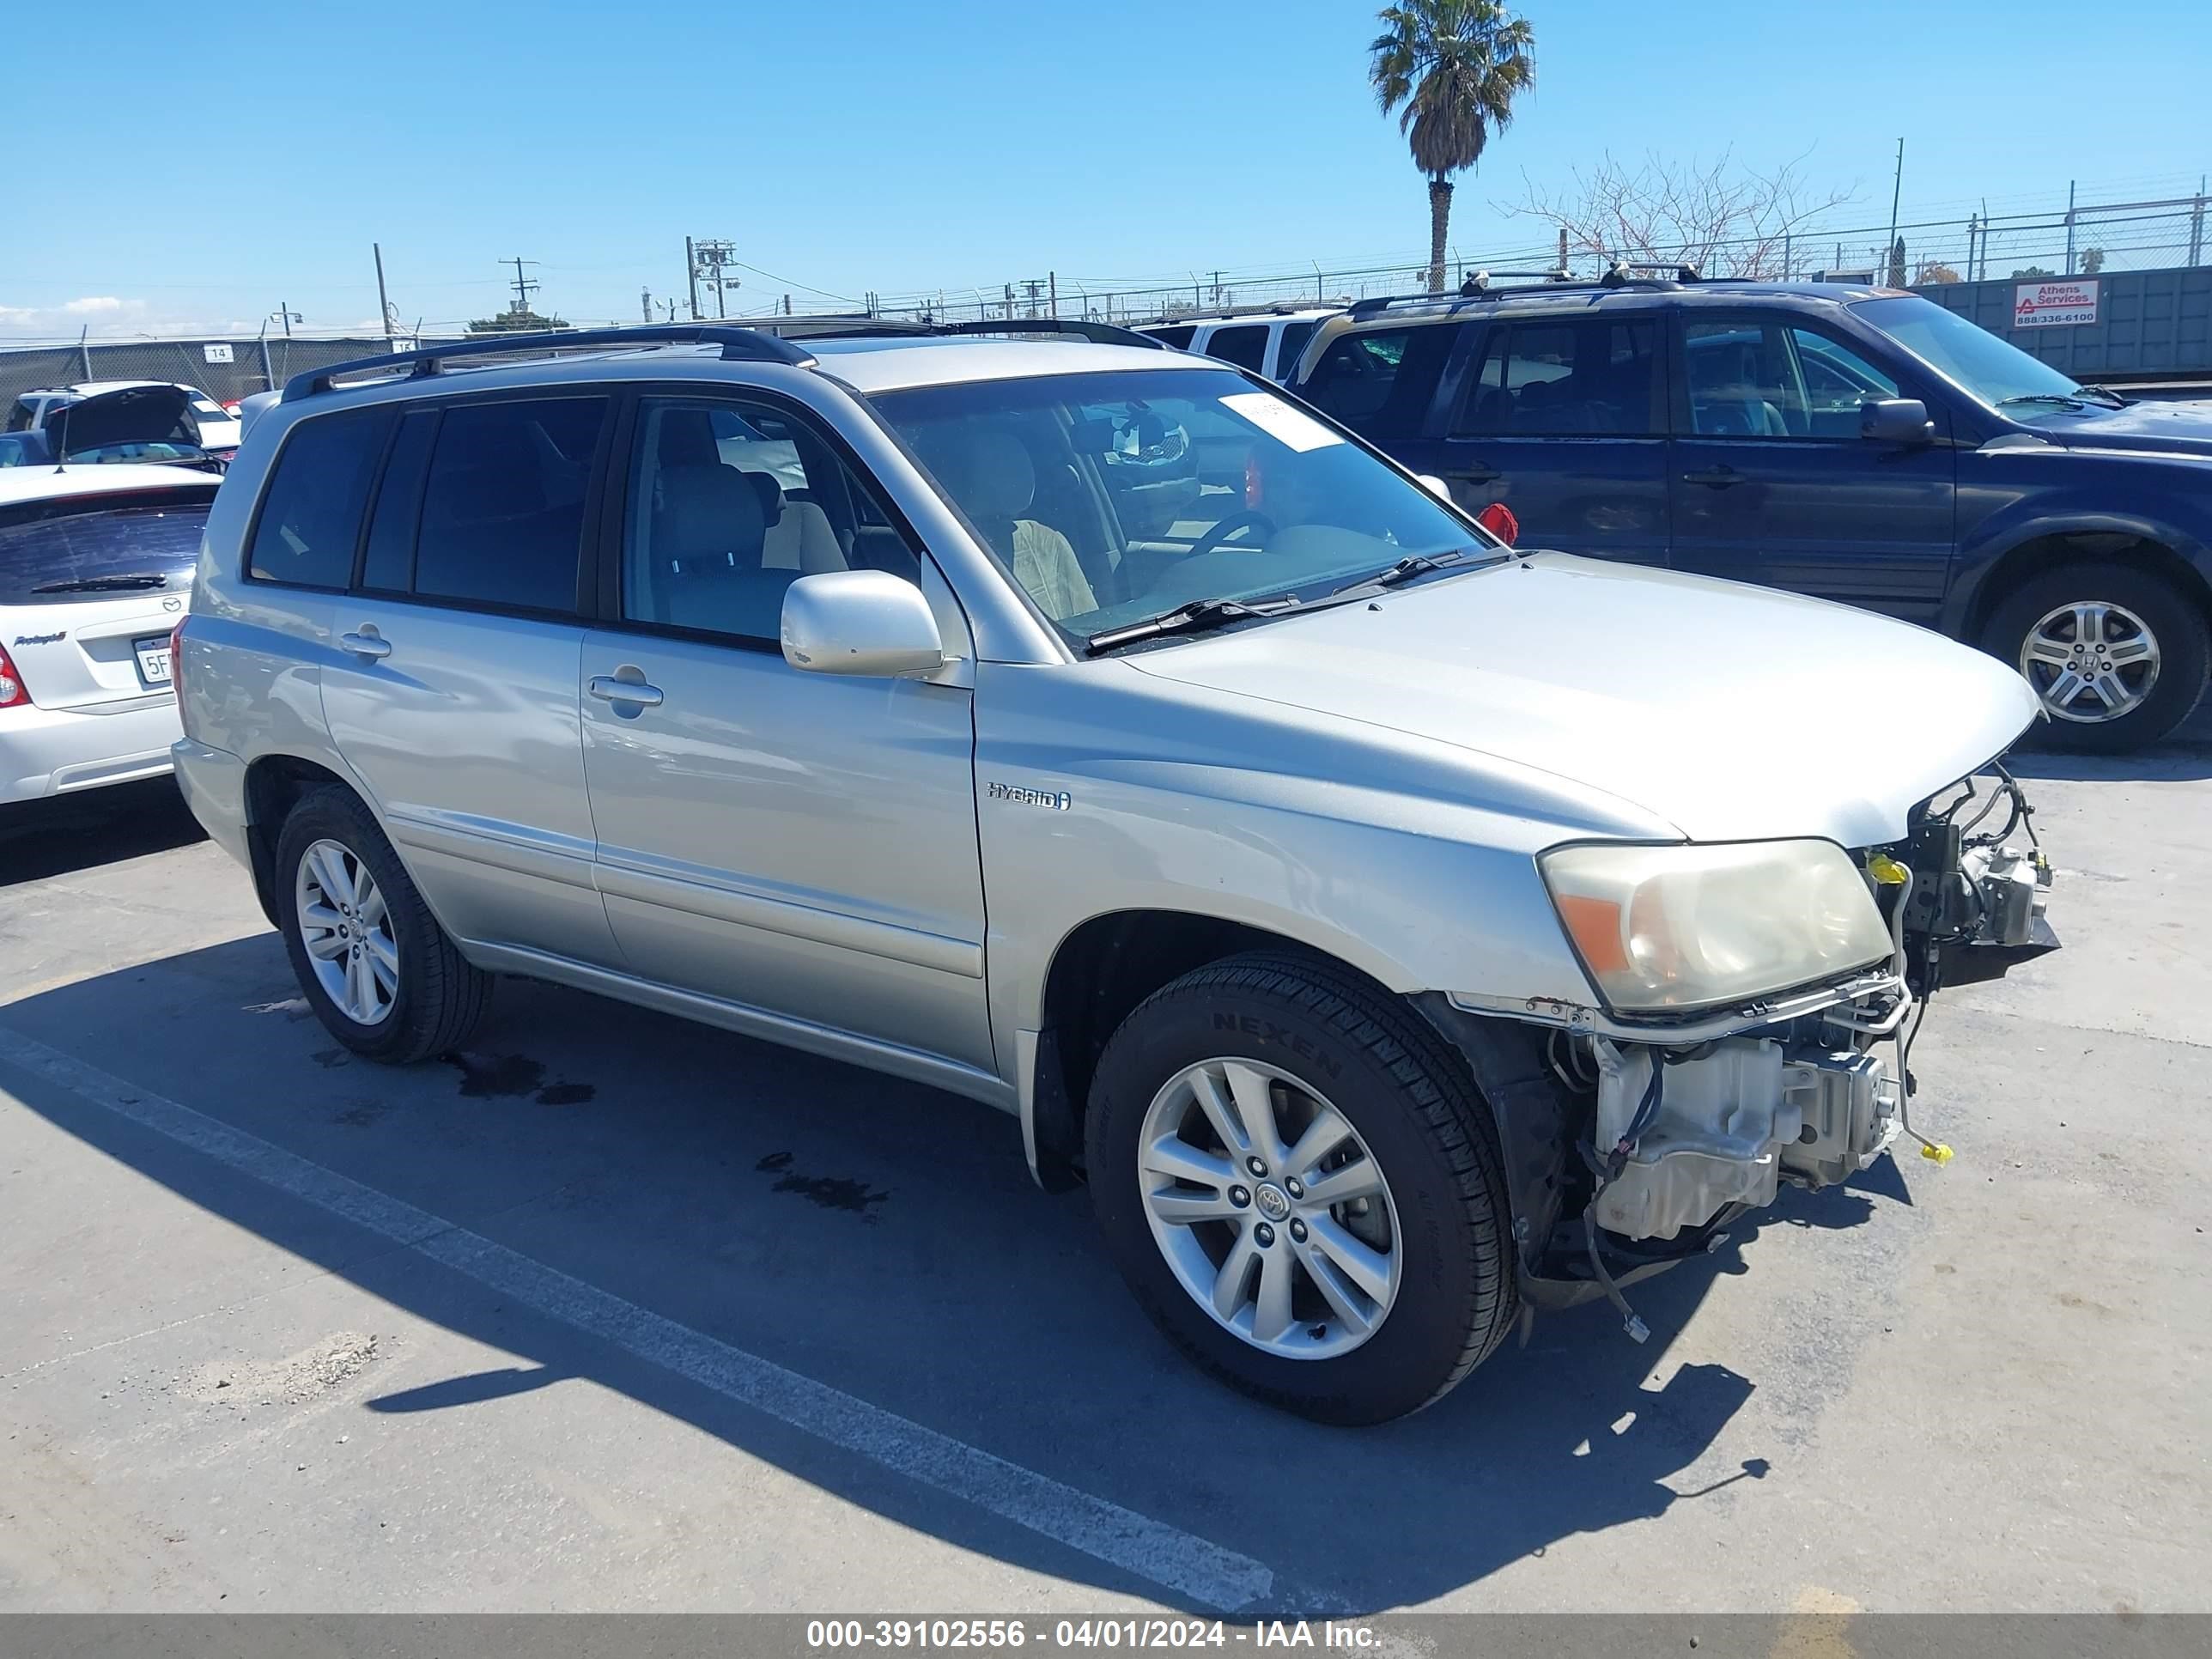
[(1294, 427)]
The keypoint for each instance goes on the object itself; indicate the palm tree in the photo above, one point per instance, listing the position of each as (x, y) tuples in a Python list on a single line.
[(1456, 66)]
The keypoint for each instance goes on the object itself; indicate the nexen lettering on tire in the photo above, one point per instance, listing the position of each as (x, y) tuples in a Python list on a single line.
[(1267, 1031)]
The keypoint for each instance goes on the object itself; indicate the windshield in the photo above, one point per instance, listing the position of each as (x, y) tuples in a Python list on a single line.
[(1116, 496), (1993, 369)]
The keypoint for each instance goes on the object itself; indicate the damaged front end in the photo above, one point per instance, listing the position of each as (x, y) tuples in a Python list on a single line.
[(1631, 1141)]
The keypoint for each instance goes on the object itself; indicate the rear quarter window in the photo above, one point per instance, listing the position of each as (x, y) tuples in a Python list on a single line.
[(310, 518)]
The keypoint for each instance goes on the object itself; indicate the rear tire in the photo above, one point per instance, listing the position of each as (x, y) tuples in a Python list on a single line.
[(2092, 615), (1317, 1039), (383, 954)]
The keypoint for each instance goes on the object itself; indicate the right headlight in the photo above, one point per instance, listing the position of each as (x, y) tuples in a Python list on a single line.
[(1664, 929)]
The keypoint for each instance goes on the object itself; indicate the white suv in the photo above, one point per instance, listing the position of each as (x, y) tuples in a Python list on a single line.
[(1265, 342)]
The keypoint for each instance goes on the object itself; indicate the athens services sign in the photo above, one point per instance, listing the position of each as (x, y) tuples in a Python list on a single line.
[(2049, 305)]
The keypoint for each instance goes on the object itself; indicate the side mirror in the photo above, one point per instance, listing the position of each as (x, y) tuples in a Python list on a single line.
[(1895, 421), (1435, 487), (866, 623)]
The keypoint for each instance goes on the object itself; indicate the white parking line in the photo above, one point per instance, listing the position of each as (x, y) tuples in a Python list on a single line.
[(1152, 1550)]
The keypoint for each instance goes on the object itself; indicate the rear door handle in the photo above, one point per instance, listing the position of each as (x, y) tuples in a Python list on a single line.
[(607, 689), (1477, 474), (367, 643), (1718, 478)]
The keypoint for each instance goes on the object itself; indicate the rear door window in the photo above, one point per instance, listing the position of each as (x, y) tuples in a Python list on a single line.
[(310, 518), (1582, 377), (1381, 381), (503, 506), (1244, 345), (388, 564)]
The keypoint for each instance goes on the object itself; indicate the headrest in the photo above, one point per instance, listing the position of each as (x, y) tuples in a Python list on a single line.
[(987, 470), (708, 515), (687, 439), (770, 493)]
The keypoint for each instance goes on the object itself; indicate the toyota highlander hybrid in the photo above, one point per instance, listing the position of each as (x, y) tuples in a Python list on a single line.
[(1394, 930)]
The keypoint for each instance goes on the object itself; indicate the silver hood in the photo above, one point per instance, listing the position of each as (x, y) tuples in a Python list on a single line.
[(1732, 713)]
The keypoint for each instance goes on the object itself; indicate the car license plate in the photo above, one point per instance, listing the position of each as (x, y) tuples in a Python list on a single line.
[(153, 658)]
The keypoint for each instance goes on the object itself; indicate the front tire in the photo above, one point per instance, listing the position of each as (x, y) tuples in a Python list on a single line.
[(2118, 655), (1299, 1182), (375, 966)]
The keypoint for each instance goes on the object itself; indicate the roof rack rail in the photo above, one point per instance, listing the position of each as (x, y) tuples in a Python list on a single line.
[(739, 344), (1102, 333)]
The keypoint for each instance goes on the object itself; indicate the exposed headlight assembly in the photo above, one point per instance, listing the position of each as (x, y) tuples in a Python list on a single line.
[(1667, 929)]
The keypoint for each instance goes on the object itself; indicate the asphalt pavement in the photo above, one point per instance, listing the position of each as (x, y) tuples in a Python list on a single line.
[(615, 1313)]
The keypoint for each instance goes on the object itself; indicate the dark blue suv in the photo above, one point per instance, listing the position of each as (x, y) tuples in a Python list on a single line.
[(1863, 444)]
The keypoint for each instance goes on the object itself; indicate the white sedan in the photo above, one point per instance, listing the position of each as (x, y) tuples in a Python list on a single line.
[(95, 573)]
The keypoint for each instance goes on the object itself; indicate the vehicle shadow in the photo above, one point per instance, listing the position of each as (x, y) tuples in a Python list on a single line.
[(64, 834), (885, 1240), (2184, 756)]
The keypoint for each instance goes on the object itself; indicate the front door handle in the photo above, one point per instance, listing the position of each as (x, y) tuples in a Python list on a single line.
[(1477, 474), (367, 643), (609, 689), (1718, 478)]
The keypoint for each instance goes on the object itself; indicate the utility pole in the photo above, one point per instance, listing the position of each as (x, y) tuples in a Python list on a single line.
[(2196, 225), (645, 302), (524, 286), (383, 305), (285, 305), (691, 273), (708, 259), (1053, 278), (1896, 194), (2069, 227)]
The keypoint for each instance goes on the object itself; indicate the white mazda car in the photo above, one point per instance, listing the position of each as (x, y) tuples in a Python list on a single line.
[(96, 572)]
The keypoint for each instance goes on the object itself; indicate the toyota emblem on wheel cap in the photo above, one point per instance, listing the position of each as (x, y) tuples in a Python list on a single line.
[(1271, 1202)]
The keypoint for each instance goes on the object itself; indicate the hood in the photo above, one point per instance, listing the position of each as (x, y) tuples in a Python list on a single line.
[(2181, 428), (136, 414), (1732, 713)]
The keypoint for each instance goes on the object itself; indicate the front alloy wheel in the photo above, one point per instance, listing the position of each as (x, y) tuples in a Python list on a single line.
[(1269, 1208), (347, 931), (1299, 1181)]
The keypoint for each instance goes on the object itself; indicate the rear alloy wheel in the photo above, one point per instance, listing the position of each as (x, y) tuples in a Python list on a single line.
[(375, 966), (347, 931), (1295, 1176), (2117, 656)]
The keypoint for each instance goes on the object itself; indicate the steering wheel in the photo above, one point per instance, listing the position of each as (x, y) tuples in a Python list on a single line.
[(1246, 520)]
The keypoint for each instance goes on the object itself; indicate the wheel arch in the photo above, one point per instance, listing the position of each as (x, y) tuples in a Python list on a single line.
[(1101, 968), (2147, 545), (274, 785)]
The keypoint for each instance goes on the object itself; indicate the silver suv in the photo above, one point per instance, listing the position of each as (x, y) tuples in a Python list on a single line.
[(1395, 931)]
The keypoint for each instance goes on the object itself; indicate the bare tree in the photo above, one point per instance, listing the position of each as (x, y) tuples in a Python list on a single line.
[(1722, 219)]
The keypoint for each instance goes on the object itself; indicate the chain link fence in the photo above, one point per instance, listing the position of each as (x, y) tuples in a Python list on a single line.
[(2065, 242), (225, 370)]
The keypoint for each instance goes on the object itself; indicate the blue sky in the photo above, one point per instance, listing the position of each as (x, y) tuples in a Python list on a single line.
[(196, 166)]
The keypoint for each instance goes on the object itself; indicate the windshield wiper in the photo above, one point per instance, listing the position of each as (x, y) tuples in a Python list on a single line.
[(2113, 399), (1199, 615), (104, 584), (1417, 564), (2063, 400)]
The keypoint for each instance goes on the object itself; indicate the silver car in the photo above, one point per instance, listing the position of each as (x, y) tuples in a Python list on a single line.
[(1395, 931)]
